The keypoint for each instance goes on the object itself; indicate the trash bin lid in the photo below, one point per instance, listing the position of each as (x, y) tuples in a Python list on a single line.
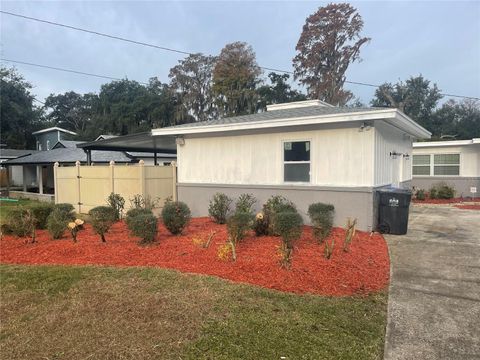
[(396, 190)]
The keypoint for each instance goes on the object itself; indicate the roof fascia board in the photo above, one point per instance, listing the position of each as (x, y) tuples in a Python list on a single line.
[(54, 129), (443, 143)]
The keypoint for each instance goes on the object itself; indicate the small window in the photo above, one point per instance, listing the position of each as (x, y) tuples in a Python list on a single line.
[(446, 164), (48, 144), (296, 161), (421, 165)]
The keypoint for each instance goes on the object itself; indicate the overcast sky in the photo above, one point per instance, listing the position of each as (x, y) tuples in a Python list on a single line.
[(440, 40)]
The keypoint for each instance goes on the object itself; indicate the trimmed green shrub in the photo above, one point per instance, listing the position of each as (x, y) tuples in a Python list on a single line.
[(132, 213), (289, 225), (442, 191), (102, 218), (117, 203), (420, 195), (321, 217), (245, 203), (272, 207), (40, 212), (144, 226), (57, 223), (219, 207), (21, 222), (67, 209), (175, 216)]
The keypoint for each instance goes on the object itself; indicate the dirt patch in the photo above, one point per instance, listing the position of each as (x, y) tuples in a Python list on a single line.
[(364, 269)]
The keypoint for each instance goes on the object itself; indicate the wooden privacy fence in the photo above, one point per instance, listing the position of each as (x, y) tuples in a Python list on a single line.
[(86, 186)]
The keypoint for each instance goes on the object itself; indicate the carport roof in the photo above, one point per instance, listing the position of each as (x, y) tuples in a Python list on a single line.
[(142, 142)]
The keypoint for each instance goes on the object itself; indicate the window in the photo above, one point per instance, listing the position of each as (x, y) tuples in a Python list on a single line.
[(296, 161), (421, 165), (48, 144), (436, 165), (447, 164)]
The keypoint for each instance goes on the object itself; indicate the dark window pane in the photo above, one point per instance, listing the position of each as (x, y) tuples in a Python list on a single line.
[(447, 170), (421, 159), (297, 172), (296, 151), (421, 170), (444, 159)]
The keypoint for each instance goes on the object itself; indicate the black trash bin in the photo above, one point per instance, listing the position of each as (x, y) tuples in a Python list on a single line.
[(393, 206)]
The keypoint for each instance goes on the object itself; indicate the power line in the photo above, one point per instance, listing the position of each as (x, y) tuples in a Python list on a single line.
[(64, 70), (167, 49)]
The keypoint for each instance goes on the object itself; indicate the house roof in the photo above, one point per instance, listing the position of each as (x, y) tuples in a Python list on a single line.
[(139, 154), (297, 116), (14, 153), (105, 136), (55, 128), (426, 144), (66, 144), (68, 155)]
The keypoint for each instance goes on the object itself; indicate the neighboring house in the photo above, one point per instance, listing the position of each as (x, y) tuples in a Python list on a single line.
[(306, 151), (47, 138), (15, 175), (456, 163)]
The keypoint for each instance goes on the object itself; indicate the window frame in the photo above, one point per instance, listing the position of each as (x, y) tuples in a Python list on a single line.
[(296, 162), (432, 164)]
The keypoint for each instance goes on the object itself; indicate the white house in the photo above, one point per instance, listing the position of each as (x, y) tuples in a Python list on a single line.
[(456, 163), (307, 151)]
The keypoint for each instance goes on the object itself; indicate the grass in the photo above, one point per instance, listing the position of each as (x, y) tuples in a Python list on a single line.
[(6, 206), (54, 312)]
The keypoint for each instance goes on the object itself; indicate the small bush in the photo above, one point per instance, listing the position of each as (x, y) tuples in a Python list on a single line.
[(67, 209), (245, 203), (40, 212), (260, 225), (144, 202), (117, 203), (144, 226), (102, 218), (272, 207), (420, 195), (442, 191), (321, 217), (175, 216), (14, 223), (219, 207), (432, 193), (57, 223), (132, 213), (237, 227), (289, 225)]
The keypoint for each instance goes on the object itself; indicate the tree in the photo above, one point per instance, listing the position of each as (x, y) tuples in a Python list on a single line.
[(329, 43), (416, 97), (279, 91), (456, 120), (235, 78), (192, 80), (19, 116)]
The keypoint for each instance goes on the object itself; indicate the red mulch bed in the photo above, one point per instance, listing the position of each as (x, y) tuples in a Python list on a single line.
[(363, 270), (446, 201), (468, 207)]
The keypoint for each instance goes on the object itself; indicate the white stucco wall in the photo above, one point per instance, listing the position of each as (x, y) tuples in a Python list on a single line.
[(388, 169), (339, 157), (469, 157)]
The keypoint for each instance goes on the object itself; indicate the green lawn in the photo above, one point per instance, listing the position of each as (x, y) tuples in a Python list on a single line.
[(55, 312), (6, 206)]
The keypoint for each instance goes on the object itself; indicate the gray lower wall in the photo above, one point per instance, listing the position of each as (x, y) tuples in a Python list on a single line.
[(460, 184), (349, 202)]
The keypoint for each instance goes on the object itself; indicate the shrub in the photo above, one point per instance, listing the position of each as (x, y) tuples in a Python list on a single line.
[(117, 203), (14, 221), (245, 203), (175, 216), (321, 217), (67, 209), (219, 207), (144, 202), (237, 227), (420, 195), (432, 193), (144, 226), (272, 207), (102, 218), (40, 212), (57, 223), (349, 234), (132, 213), (328, 249), (289, 225), (444, 191), (260, 225)]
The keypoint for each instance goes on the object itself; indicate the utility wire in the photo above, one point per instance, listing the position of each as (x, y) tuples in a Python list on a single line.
[(166, 49)]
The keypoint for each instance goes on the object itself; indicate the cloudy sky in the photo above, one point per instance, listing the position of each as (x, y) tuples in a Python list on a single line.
[(440, 40)]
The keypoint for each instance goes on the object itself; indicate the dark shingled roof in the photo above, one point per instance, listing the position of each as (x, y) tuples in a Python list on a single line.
[(69, 155), (280, 114), (14, 153), (67, 144)]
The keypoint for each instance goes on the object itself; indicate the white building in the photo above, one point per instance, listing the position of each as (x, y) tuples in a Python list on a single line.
[(456, 163)]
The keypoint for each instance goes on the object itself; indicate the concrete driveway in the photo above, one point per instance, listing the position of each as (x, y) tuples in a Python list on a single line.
[(434, 301)]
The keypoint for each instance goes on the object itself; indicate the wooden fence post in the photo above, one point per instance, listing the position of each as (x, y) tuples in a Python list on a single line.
[(78, 207), (55, 181), (141, 174), (174, 180), (112, 176)]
